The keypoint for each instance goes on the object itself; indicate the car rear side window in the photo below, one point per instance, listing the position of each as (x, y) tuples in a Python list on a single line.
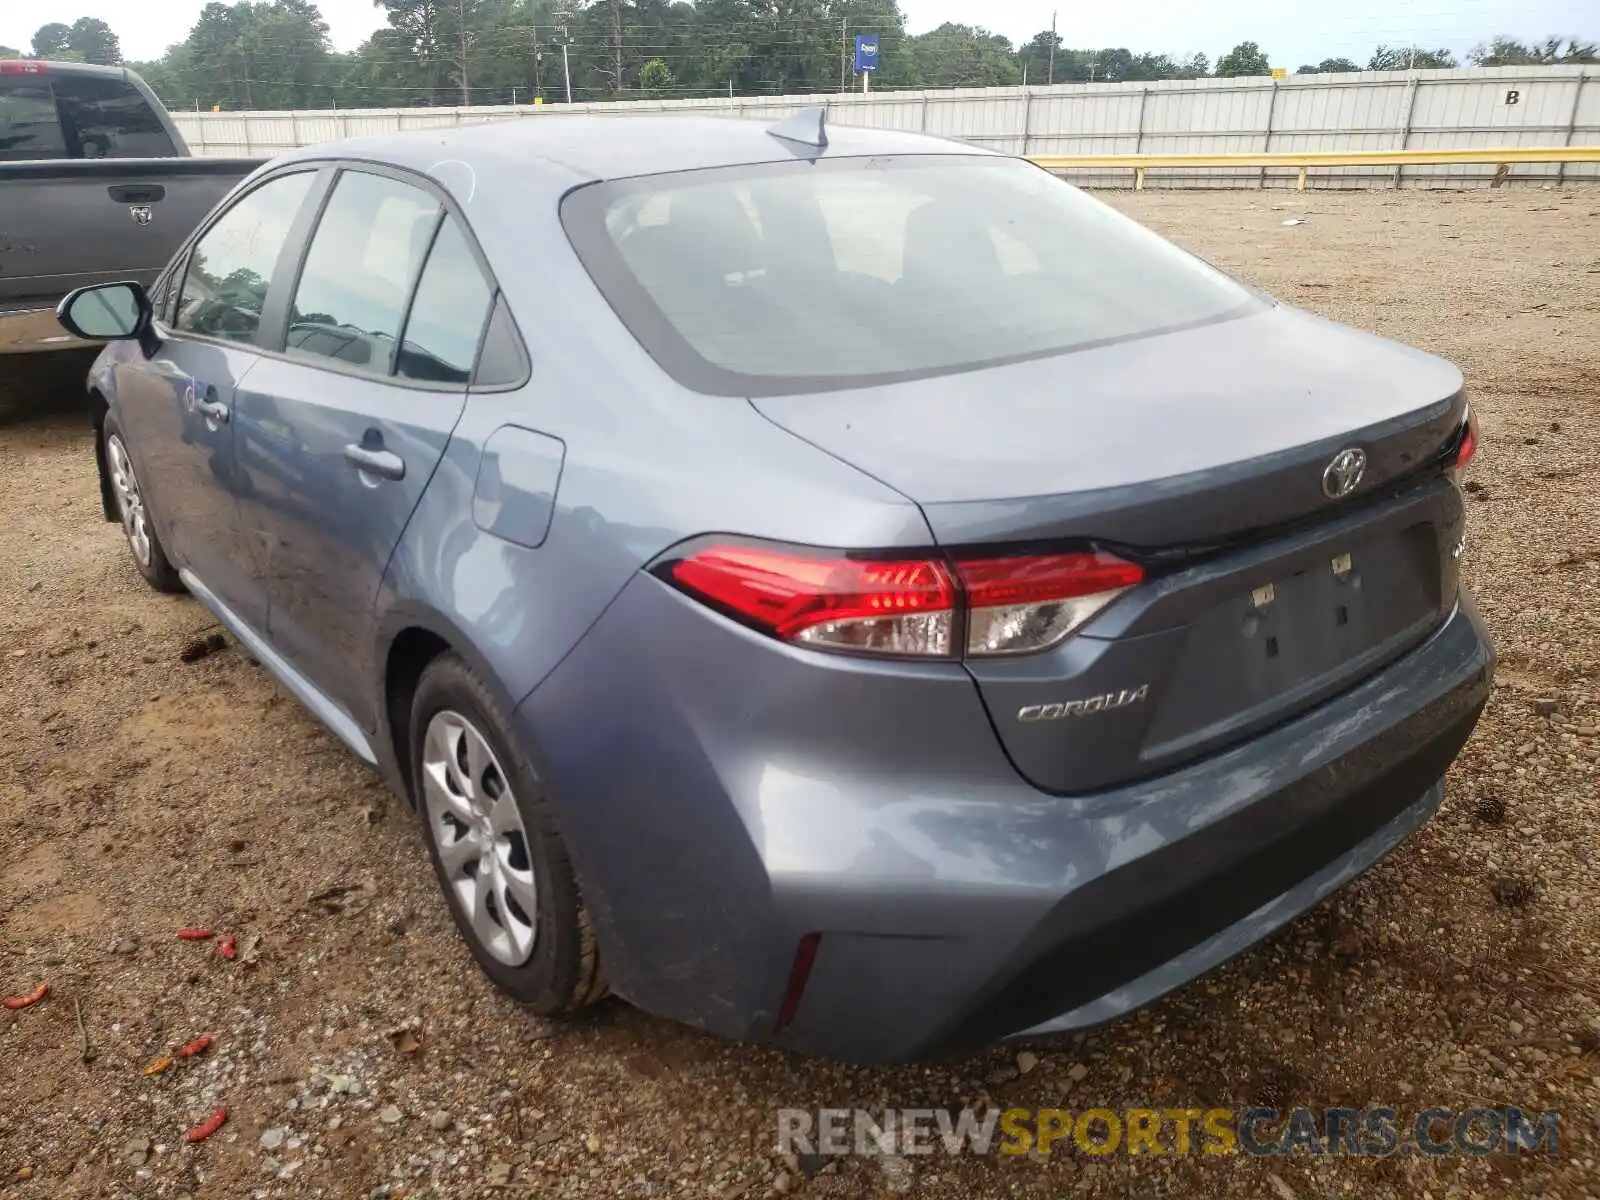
[(106, 117), (29, 127), (231, 265), (361, 267), (447, 317), (808, 276)]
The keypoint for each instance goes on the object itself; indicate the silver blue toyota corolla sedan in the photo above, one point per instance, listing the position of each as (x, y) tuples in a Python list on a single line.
[(837, 588)]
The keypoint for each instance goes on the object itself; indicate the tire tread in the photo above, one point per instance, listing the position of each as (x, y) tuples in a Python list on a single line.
[(586, 983)]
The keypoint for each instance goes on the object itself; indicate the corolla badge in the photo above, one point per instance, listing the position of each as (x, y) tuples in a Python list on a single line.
[(1067, 709), (1340, 477)]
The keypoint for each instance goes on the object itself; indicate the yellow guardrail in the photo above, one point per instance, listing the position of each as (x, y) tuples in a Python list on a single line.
[(1301, 161)]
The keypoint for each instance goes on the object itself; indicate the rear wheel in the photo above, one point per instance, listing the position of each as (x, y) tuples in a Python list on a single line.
[(492, 837), (134, 515)]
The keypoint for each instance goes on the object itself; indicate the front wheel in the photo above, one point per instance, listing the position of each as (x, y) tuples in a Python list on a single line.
[(491, 834), (133, 513)]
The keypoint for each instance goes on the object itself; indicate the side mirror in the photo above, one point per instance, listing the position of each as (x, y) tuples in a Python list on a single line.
[(107, 312)]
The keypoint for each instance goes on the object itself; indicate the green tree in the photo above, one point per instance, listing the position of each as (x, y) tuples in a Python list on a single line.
[(93, 41), (253, 54), (1036, 57), (964, 56), (52, 40), (655, 77), (1246, 58), (1508, 52), (1405, 58), (9, 52), (1328, 66)]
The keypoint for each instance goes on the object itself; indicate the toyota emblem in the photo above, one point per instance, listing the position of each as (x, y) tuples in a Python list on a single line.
[(1341, 476)]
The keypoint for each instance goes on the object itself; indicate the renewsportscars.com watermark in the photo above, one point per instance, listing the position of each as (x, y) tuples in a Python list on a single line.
[(1260, 1132)]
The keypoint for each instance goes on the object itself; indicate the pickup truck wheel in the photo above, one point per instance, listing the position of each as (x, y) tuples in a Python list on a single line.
[(492, 837), (137, 527)]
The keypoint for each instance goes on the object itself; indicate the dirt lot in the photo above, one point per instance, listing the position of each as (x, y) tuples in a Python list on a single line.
[(139, 794)]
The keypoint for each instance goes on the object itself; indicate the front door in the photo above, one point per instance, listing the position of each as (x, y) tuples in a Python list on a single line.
[(341, 435), (177, 405)]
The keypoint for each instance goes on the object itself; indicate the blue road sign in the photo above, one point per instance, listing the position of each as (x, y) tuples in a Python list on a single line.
[(866, 52)]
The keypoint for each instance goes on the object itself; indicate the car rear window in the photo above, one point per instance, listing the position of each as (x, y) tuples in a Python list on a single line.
[(106, 117), (808, 276)]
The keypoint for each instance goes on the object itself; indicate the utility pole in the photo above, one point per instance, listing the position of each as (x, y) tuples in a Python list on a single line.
[(461, 28), (616, 43), (561, 32), (538, 55), (1051, 77), (844, 51)]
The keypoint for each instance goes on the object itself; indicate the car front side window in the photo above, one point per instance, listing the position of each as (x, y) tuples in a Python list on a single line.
[(225, 289)]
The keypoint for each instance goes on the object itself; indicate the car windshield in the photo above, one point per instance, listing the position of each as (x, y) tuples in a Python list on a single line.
[(805, 276)]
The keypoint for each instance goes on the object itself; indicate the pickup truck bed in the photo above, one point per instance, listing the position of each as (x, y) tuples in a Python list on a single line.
[(66, 223)]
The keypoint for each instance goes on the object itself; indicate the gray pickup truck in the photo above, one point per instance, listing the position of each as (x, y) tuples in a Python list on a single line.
[(95, 185)]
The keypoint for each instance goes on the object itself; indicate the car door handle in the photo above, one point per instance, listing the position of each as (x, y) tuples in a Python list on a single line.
[(385, 463), (212, 410)]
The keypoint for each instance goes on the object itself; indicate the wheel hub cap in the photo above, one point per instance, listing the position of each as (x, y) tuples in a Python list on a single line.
[(130, 505), (478, 830)]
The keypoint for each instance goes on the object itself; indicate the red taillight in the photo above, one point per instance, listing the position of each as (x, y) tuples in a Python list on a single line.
[(1469, 445), (805, 954), (898, 607), (907, 607), (1022, 604), (22, 66)]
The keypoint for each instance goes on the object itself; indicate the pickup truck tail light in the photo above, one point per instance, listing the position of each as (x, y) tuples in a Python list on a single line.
[(23, 66), (905, 607)]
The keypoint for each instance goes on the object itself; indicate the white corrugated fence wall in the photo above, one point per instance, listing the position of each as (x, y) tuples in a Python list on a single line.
[(1369, 110)]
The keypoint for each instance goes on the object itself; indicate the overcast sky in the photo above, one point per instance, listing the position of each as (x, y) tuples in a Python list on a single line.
[(1291, 31)]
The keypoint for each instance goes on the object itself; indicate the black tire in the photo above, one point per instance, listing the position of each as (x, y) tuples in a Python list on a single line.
[(562, 973), (157, 570)]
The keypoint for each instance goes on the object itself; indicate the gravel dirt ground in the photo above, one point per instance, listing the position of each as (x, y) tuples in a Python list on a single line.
[(360, 1053)]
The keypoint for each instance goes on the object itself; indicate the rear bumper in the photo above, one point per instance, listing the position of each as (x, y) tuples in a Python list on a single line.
[(723, 796), (24, 330)]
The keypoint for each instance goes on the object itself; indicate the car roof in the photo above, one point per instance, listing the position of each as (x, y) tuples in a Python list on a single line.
[(589, 147), (52, 67)]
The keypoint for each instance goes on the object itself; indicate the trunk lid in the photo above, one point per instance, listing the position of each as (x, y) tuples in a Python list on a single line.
[(1187, 437), (1202, 454)]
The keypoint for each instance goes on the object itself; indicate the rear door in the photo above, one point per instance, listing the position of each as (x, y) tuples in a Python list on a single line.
[(340, 434), (176, 405)]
